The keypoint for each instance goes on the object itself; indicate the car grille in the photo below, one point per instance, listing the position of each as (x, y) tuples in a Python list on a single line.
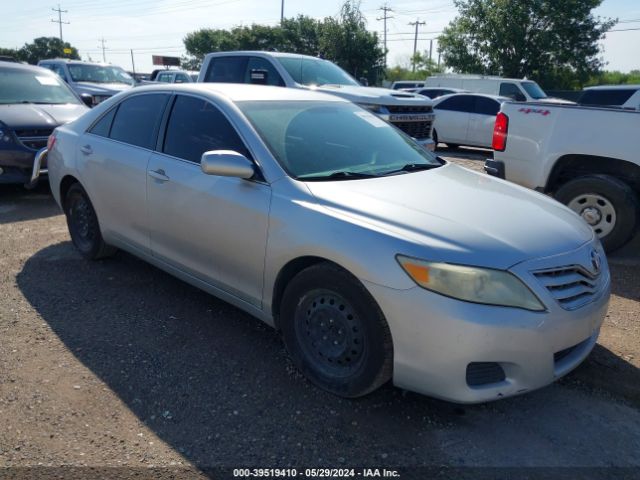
[(34, 138), (571, 286), (415, 129), (409, 108), (484, 373)]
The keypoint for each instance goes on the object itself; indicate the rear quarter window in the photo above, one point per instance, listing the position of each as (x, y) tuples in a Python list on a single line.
[(613, 97), (137, 119), (227, 70)]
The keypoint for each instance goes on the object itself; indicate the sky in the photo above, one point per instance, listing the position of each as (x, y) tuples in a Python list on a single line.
[(157, 27)]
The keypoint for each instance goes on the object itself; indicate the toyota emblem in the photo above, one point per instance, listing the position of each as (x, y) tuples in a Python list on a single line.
[(596, 261)]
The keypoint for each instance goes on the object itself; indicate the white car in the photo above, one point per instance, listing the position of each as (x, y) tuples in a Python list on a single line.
[(466, 119)]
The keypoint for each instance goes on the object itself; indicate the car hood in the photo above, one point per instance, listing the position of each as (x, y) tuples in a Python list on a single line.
[(373, 95), (102, 88), (454, 215), (27, 115)]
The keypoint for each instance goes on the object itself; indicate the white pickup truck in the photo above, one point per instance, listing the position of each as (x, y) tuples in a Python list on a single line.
[(586, 157)]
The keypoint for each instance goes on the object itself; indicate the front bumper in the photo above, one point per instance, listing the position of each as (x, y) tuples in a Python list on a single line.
[(22, 166), (437, 338)]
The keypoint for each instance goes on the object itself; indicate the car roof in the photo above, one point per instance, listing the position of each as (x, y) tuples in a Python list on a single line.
[(497, 98), (614, 87), (263, 53), (76, 62), (23, 66), (239, 92)]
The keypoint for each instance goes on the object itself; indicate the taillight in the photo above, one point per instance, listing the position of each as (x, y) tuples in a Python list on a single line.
[(500, 131), (51, 141)]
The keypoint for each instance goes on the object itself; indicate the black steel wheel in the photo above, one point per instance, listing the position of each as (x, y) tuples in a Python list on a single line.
[(335, 332), (83, 224)]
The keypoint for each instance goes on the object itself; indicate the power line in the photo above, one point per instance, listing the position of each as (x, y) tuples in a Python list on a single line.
[(59, 21), (385, 15), (417, 23)]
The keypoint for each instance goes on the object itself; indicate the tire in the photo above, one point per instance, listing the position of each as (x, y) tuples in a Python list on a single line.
[(453, 146), (608, 204), (83, 225), (335, 332), (434, 135)]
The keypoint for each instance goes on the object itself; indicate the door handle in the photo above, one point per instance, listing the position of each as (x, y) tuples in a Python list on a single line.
[(87, 150), (158, 175)]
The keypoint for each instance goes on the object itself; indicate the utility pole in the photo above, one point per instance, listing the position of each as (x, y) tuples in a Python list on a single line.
[(133, 64), (385, 15), (281, 12), (59, 21), (430, 50), (417, 23), (102, 46)]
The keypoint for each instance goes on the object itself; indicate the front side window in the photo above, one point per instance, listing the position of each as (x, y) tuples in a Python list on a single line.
[(164, 78), (511, 90), (196, 126), (315, 71), (99, 74), (137, 119), (534, 90), (30, 86), (227, 69), (459, 103), (314, 140)]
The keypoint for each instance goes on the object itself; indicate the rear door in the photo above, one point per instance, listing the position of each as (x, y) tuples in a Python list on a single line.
[(452, 118), (213, 228), (114, 152), (482, 121)]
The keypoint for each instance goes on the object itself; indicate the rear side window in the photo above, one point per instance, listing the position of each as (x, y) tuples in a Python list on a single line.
[(227, 70), (196, 126), (613, 97), (257, 63), (103, 126), (459, 103), (486, 106), (137, 119)]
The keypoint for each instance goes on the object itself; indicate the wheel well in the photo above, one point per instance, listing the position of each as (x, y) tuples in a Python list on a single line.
[(65, 185), (285, 275), (569, 167)]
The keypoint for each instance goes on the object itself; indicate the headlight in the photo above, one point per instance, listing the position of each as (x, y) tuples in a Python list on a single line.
[(472, 284), (371, 107), (5, 134)]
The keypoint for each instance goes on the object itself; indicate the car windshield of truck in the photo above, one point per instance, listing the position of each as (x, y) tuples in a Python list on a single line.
[(307, 71), (316, 141), (99, 74), (534, 90), (39, 87)]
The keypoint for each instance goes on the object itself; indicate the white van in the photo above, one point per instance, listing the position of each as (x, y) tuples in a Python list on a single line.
[(520, 90)]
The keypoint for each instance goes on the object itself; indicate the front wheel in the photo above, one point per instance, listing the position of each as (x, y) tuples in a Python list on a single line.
[(83, 224), (607, 204), (335, 332)]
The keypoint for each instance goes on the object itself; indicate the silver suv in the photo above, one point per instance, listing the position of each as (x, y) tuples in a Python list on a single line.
[(100, 80)]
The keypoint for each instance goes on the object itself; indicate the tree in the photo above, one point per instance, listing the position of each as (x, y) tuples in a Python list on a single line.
[(46, 47), (9, 52), (424, 68), (549, 40)]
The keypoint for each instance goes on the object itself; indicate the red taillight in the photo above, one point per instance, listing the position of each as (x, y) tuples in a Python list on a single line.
[(51, 141), (500, 131)]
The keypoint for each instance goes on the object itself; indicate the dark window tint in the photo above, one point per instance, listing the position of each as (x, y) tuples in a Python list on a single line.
[(137, 119), (486, 106), (459, 103), (181, 78), (257, 63), (512, 91), (227, 70), (614, 97), (196, 126), (103, 125)]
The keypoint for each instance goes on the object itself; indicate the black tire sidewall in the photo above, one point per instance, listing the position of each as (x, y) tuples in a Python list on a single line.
[(621, 196), (375, 368), (92, 249)]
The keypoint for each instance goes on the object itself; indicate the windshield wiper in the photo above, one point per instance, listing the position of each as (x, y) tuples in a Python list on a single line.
[(339, 175), (413, 167)]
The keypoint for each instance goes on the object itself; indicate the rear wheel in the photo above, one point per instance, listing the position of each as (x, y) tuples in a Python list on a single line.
[(83, 224), (335, 332), (607, 204)]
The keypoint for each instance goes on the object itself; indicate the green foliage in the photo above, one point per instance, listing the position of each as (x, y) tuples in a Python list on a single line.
[(553, 42), (43, 48), (344, 40), (9, 52), (424, 67), (615, 78)]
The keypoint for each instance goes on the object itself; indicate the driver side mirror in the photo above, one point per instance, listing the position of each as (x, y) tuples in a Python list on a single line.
[(87, 99), (226, 163)]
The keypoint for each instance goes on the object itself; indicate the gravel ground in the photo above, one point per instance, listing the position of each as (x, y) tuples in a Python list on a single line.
[(115, 363)]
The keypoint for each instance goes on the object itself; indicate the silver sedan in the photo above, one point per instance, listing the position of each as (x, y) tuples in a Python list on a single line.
[(375, 259)]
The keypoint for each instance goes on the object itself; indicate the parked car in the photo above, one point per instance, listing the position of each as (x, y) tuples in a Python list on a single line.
[(466, 119), (437, 92), (176, 76), (100, 80), (623, 96), (33, 101), (374, 258), (585, 157), (413, 114), (519, 90), (404, 84)]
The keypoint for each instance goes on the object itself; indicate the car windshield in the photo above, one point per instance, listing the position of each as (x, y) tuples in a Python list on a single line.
[(99, 74), (333, 140), (534, 90), (311, 71), (28, 86)]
